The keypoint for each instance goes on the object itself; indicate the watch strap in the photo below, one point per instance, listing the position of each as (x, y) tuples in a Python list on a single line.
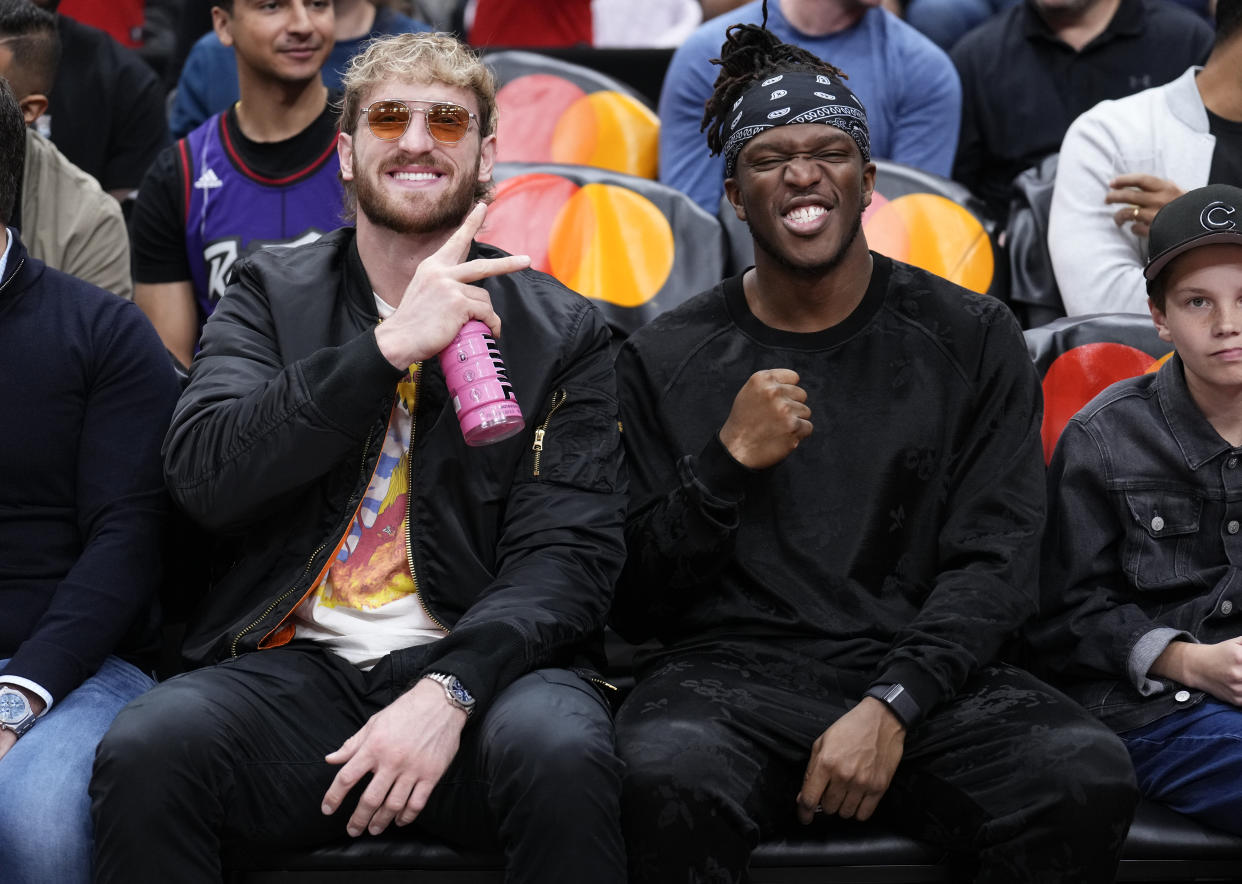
[(22, 726), (898, 701), (454, 690)]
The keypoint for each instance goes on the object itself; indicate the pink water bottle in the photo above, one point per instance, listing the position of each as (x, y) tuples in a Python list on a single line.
[(486, 406)]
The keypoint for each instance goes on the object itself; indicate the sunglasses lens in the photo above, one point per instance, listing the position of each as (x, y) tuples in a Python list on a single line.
[(388, 119), (447, 122)]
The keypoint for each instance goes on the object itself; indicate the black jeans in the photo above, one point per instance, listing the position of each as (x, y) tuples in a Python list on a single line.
[(1010, 774), (235, 751)]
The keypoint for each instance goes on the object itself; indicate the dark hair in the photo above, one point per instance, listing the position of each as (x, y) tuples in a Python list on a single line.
[(1155, 289), (1228, 19), (34, 42), (752, 53), (226, 5), (12, 149)]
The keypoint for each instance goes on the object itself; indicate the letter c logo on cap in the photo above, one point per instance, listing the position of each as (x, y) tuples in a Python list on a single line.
[(1215, 216)]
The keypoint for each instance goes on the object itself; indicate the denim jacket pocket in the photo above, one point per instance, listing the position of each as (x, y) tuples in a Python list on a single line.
[(1159, 537)]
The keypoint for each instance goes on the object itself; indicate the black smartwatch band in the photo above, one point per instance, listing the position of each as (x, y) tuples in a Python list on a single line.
[(899, 702)]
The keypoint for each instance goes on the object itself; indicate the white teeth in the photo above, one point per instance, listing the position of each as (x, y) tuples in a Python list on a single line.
[(415, 176), (804, 214)]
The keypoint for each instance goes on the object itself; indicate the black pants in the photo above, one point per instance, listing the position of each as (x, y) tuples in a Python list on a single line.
[(1010, 773), (236, 751)]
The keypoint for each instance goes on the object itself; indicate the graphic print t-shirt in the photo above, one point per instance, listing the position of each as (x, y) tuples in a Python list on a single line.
[(367, 605)]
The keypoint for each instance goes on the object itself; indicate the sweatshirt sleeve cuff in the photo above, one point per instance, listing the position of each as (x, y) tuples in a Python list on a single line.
[(721, 475), (1144, 654), (920, 688), (18, 682)]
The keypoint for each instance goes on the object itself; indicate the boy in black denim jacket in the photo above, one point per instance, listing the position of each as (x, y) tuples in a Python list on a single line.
[(1142, 593)]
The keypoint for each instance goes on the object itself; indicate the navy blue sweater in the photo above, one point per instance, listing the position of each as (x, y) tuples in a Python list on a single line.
[(86, 393)]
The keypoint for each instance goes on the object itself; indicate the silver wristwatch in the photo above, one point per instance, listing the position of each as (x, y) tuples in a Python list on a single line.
[(15, 712), (454, 690)]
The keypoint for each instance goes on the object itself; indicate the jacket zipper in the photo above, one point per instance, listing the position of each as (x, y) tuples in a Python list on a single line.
[(558, 399), (409, 497), (13, 275), (306, 568)]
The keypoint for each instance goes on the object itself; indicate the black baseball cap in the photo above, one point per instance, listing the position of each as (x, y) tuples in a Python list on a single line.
[(1204, 216)]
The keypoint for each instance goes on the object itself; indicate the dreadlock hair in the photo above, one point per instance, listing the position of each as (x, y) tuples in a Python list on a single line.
[(1228, 20), (752, 53)]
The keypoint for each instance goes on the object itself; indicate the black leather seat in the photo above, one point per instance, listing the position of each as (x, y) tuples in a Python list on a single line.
[(1162, 846)]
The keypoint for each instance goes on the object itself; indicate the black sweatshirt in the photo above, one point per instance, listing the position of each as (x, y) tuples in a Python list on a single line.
[(900, 540)]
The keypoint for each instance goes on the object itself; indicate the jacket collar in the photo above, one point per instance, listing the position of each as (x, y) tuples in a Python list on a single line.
[(16, 264), (358, 284), (1196, 437), (1185, 102)]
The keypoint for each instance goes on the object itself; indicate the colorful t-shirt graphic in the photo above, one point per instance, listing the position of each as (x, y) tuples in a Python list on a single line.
[(367, 605), (371, 568)]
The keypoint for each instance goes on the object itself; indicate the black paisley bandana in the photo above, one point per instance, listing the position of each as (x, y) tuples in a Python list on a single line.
[(786, 99)]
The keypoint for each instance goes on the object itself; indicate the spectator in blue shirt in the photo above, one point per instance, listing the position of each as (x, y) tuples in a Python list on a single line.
[(907, 84)]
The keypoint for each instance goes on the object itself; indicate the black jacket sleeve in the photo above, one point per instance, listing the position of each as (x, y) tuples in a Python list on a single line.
[(247, 414)]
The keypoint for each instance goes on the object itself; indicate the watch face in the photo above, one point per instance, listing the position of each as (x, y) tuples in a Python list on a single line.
[(460, 693), (13, 707)]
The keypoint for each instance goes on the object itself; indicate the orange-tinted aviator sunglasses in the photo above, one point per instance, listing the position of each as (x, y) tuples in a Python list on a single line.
[(446, 123)]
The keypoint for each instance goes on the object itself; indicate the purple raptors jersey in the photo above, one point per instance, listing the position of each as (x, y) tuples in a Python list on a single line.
[(231, 210)]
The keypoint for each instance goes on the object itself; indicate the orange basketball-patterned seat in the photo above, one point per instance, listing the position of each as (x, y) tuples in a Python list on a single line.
[(916, 217), (553, 111), (634, 246), (1079, 356)]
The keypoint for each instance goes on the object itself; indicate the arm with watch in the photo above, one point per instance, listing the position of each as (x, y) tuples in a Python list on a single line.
[(406, 746), (20, 708)]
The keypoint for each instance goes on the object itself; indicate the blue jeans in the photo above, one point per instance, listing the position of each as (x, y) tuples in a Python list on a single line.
[(45, 823), (1191, 760)]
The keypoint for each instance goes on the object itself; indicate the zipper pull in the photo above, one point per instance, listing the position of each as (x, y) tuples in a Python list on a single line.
[(538, 446)]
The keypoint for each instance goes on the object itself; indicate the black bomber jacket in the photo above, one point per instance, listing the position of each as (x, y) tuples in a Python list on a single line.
[(515, 550)]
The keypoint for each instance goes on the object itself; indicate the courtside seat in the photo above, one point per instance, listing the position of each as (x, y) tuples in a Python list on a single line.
[(636, 247), (1033, 292), (916, 217), (1166, 846), (1078, 356), (555, 111), (1162, 847)]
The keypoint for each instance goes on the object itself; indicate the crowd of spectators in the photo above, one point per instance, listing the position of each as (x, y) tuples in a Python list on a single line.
[(159, 151), (985, 92)]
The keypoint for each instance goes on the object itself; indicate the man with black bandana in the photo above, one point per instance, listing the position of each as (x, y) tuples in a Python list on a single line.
[(836, 504), (263, 173)]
